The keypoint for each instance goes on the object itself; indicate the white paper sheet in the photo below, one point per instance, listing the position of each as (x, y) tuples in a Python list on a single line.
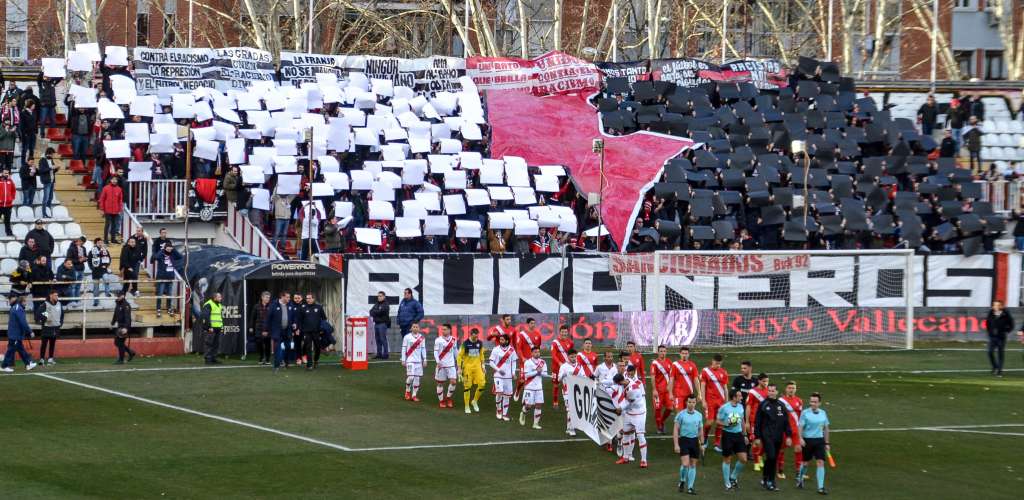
[(500, 220), (337, 180), (407, 227), (467, 228), (526, 227), (382, 191), (362, 180), (322, 189), (414, 209), (500, 193), (252, 174), (546, 183), (454, 204), (524, 196), (285, 164), (436, 225), (455, 179), (53, 67), (117, 149), (207, 150), (260, 198), (492, 172), (516, 173), (368, 236), (477, 197), (430, 201), (136, 133), (288, 184)]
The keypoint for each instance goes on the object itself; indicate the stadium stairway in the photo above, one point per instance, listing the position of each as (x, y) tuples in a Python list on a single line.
[(76, 191)]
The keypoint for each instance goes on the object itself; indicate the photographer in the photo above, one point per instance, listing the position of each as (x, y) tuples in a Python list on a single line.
[(212, 323), (122, 325)]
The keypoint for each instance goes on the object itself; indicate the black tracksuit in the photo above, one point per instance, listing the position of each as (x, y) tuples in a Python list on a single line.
[(310, 316), (771, 426), (122, 319)]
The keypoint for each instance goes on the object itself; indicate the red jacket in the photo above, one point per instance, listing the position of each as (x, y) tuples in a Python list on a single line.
[(111, 199), (7, 192)]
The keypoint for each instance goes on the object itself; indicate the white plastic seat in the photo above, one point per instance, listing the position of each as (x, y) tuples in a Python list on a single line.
[(17, 182), (7, 266), (62, 248), (61, 212), (1002, 127), (57, 262), (1016, 127), (13, 249), (72, 230), (988, 140), (20, 231), (3, 252), (988, 127), (56, 230), (24, 214)]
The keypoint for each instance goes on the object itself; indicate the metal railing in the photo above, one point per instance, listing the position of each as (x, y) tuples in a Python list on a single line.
[(129, 223), (155, 199), (248, 237), (1004, 195)]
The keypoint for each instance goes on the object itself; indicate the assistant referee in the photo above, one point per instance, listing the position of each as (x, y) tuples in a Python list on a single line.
[(771, 431)]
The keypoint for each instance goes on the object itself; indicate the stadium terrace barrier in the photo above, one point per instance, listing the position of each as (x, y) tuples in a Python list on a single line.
[(179, 291), (157, 199), (248, 237)]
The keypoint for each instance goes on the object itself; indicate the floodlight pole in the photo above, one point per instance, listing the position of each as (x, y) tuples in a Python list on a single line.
[(725, 25), (935, 39), (828, 43), (807, 171), (467, 7)]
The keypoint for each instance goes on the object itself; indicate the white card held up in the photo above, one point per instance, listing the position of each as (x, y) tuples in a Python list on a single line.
[(252, 174), (161, 143), (436, 225), (518, 214), (467, 228), (204, 133), (381, 210), (382, 191), (430, 201), (471, 132), (203, 111), (289, 184), (440, 164), (78, 61), (393, 152), (414, 209), (343, 209), (108, 110), (390, 178), (53, 67), (546, 183), (143, 105), (454, 204), (516, 171), (500, 220), (412, 174), (260, 198), (322, 189), (367, 137), (524, 196), (471, 160), (207, 150), (492, 172), (236, 151), (362, 180), (407, 227), (117, 149), (450, 146), (328, 163), (285, 164), (90, 50), (285, 147), (116, 55), (548, 219), (477, 197), (500, 193), (337, 180), (526, 227), (368, 236), (556, 170), (455, 179), (140, 175), (568, 224), (136, 133)]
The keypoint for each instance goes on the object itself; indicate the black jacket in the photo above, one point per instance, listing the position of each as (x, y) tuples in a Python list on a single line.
[(42, 275), (45, 171), (380, 312), (47, 91), (999, 326), (947, 148), (771, 424), (28, 123), (130, 256), (122, 315), (258, 318), (928, 113), (74, 252), (310, 316), (44, 240)]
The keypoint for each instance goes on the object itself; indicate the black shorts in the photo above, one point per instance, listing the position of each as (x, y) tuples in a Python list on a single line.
[(732, 443), (689, 446), (814, 449)]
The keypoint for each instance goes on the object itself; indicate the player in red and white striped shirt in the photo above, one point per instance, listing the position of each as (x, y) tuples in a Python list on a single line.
[(445, 350), (588, 359), (714, 393), (795, 406), (560, 348), (534, 371), (684, 379), (569, 368), (755, 397), (504, 363), (661, 371)]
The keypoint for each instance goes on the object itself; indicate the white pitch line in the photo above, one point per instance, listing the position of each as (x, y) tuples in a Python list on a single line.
[(912, 372), (994, 433), (129, 370), (196, 412)]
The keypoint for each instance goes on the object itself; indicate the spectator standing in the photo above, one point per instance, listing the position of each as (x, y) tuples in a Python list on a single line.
[(956, 118), (381, 314), (258, 328), (8, 137), (410, 311), (17, 329), (312, 317), (165, 261), (211, 320), (47, 102), (927, 115), (999, 324), (111, 203), (161, 241), (27, 171), (8, 190), (972, 138), (66, 273), (334, 236), (131, 256), (78, 256), (81, 130), (977, 108), (21, 278), (122, 325), (947, 147), (42, 237), (29, 251), (99, 263), (53, 320), (232, 184), (282, 217), (42, 277), (48, 178), (279, 326), (1018, 232), (28, 128), (309, 229)]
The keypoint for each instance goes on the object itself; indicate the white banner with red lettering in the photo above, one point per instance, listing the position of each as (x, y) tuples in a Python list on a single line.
[(550, 74), (706, 265)]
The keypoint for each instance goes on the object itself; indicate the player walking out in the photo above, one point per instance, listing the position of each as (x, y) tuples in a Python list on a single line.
[(636, 359), (634, 428), (734, 438), (414, 359), (525, 340), (745, 381), (683, 382), (755, 397), (771, 428), (446, 370), (814, 441), (688, 437), (795, 406), (569, 368), (606, 372), (712, 392), (661, 370), (503, 361), (588, 359), (534, 369), (471, 370), (560, 348)]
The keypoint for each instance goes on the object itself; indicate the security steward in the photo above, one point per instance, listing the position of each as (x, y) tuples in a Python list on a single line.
[(771, 430), (212, 322), (311, 315)]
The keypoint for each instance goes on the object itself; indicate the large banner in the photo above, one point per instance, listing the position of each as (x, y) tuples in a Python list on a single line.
[(428, 74), (591, 409), (631, 71), (550, 74), (182, 70), (848, 299), (707, 265), (689, 72)]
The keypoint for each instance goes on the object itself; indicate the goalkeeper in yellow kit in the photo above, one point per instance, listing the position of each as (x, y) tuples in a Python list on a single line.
[(471, 370)]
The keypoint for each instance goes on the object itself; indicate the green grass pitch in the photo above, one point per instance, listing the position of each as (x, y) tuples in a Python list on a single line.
[(343, 434)]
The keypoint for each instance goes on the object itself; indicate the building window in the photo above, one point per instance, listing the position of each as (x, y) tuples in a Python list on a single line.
[(994, 67), (965, 61), (965, 4), (169, 39), (142, 30)]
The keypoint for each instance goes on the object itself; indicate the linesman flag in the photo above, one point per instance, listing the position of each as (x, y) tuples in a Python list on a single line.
[(591, 410)]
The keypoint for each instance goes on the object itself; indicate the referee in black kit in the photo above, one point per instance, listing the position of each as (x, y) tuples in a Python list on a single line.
[(771, 430)]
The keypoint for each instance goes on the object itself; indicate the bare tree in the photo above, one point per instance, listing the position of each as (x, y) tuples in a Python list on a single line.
[(1012, 37)]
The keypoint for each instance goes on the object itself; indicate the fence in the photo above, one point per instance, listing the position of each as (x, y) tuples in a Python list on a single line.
[(155, 199), (129, 224), (1003, 195), (248, 237)]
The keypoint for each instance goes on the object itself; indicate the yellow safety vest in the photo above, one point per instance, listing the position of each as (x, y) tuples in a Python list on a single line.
[(216, 321)]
